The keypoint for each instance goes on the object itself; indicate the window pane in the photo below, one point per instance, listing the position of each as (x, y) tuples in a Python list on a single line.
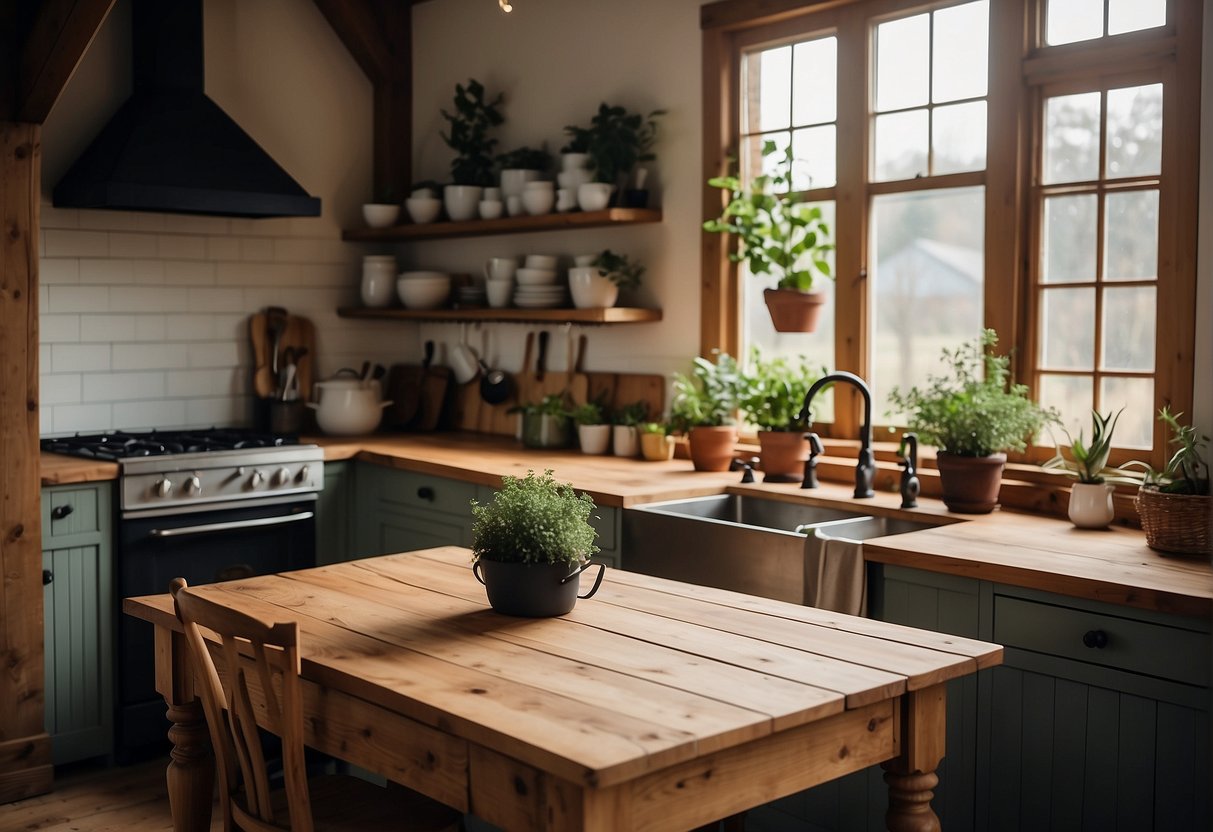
[(1072, 396), (767, 102), (1068, 21), (1135, 429), (1135, 131), (1067, 329), (814, 156), (903, 51), (815, 81), (1128, 328), (1068, 243), (961, 45), (752, 161), (1131, 248), (959, 138), (930, 266), (1132, 15), (901, 146), (1072, 138), (817, 347)]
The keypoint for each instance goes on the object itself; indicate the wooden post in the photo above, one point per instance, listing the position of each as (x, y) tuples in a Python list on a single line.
[(923, 721), (25, 761), (191, 769)]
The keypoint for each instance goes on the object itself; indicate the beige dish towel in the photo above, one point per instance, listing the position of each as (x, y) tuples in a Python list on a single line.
[(835, 578)]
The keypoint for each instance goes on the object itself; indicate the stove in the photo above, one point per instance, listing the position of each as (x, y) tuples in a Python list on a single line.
[(207, 506)]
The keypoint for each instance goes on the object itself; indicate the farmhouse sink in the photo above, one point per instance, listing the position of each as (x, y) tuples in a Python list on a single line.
[(740, 542)]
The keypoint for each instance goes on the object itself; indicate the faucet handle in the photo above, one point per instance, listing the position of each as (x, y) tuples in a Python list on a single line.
[(745, 465), (816, 449)]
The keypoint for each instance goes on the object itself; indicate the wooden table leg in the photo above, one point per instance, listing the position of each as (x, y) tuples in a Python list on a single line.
[(911, 775), (191, 768)]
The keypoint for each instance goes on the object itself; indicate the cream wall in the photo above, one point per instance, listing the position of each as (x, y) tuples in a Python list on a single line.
[(143, 315)]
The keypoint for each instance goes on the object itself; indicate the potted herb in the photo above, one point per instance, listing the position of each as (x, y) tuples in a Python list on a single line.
[(468, 135), (618, 141), (593, 430), (1091, 495), (972, 414), (597, 285), (772, 398), (530, 544), (656, 445), (1174, 503), (624, 436), (779, 237), (705, 406), (545, 424)]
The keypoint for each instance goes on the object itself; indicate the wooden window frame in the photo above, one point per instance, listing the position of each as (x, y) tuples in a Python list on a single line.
[(1018, 70)]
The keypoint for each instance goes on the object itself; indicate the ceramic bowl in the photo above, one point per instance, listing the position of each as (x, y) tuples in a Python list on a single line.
[(535, 277), (423, 292), (423, 209), (538, 201), (594, 196), (380, 215), (491, 209)]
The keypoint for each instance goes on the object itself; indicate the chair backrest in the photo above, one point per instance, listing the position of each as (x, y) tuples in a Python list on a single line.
[(261, 678)]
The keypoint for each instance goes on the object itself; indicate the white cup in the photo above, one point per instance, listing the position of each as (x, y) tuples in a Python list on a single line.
[(541, 261), (500, 268), (378, 280), (538, 201), (499, 292), (491, 209), (464, 363), (513, 205), (566, 200)]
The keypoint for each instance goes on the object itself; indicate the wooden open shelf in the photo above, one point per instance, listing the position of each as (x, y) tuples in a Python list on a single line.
[(505, 225), (612, 315)]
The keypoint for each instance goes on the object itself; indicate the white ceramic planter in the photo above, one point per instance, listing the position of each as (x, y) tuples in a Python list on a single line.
[(1091, 505), (574, 161), (594, 439), (380, 215), (513, 181), (590, 289), (594, 196), (625, 440), (461, 201)]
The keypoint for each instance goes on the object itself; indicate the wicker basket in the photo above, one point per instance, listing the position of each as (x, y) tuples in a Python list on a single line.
[(1176, 523)]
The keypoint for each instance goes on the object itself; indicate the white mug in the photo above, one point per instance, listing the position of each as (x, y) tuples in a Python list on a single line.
[(464, 363), (500, 268), (499, 293)]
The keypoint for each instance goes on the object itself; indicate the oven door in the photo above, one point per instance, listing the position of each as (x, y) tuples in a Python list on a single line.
[(226, 542)]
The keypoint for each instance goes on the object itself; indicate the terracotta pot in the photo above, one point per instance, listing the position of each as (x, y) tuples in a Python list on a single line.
[(970, 483), (784, 453), (656, 447), (712, 447), (792, 310)]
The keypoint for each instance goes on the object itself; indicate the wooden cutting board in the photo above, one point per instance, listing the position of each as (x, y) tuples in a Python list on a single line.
[(403, 389), (621, 389), (300, 334), (435, 387)]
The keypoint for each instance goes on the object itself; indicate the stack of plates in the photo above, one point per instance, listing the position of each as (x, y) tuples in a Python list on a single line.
[(540, 297), (471, 296)]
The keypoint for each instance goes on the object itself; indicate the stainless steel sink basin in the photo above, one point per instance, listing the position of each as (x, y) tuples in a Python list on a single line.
[(743, 543)]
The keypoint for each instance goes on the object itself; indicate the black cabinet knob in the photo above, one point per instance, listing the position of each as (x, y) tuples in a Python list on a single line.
[(1096, 639), (59, 512), (425, 493), (47, 576)]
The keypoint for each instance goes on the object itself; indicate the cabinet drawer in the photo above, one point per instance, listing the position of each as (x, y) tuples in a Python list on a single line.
[(1107, 640), (70, 511), (422, 491), (604, 519)]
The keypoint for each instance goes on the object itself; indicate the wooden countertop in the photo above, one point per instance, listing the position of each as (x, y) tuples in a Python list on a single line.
[(1021, 549)]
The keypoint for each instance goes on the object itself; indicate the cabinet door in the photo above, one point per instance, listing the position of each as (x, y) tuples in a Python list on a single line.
[(78, 613), (334, 515), (400, 511)]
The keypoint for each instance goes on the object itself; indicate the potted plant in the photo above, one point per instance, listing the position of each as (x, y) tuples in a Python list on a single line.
[(468, 136), (593, 430), (705, 406), (656, 444), (972, 414), (779, 237), (772, 397), (530, 544), (618, 141), (1091, 495), (545, 424), (597, 285), (624, 436), (1174, 503), (525, 164)]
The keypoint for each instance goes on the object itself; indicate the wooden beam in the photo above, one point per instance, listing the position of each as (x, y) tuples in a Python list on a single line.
[(25, 764), (728, 15), (379, 36), (56, 42)]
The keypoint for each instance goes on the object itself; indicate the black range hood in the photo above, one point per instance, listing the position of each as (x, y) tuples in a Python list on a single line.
[(171, 149)]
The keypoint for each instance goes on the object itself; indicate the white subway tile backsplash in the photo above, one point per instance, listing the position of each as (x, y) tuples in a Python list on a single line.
[(52, 217), (257, 249), (150, 356), (115, 387), (61, 299), (121, 221), (59, 389), (111, 272), (149, 415), (189, 272), (53, 270), (296, 250), (234, 410), (216, 355), (189, 327), (73, 243), (79, 358), (149, 299), (195, 224), (148, 272), (106, 327), (182, 247), (222, 248), (224, 299), (54, 329), (190, 384), (129, 244), (83, 418), (46, 420), (150, 328)]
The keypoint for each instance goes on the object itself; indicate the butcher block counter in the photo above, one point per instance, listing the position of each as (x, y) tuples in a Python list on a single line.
[(1043, 553)]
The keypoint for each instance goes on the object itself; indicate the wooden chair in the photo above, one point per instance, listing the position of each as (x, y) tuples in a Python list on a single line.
[(330, 803)]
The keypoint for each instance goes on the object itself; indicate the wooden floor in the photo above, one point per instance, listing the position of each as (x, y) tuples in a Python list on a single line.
[(98, 799)]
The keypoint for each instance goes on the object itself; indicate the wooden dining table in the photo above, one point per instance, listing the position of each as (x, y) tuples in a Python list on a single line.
[(654, 705)]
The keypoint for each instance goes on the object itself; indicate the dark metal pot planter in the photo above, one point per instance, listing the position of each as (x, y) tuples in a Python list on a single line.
[(533, 590)]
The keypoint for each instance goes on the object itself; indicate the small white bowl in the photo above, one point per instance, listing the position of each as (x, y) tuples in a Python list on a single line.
[(491, 209), (538, 201), (541, 261), (423, 293), (423, 209), (594, 196), (535, 277), (424, 275), (380, 215)]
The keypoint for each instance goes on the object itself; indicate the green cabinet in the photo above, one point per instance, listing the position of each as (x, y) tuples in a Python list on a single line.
[(335, 514), (400, 511), (78, 619)]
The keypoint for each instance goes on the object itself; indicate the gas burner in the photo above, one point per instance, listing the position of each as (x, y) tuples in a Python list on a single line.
[(121, 445)]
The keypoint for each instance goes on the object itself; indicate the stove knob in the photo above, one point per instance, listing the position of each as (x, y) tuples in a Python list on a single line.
[(163, 487), (256, 479), (282, 476), (303, 474), (193, 485)]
